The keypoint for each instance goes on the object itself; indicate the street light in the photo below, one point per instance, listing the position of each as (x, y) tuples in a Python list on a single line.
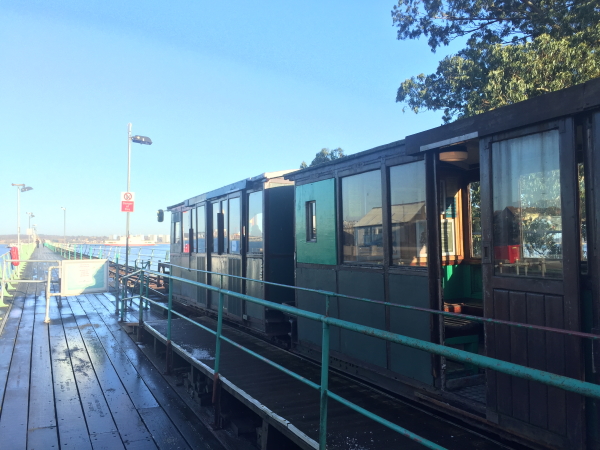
[(20, 188), (30, 214), (138, 140), (64, 224)]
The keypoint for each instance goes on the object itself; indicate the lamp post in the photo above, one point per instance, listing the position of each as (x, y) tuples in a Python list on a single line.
[(138, 140), (30, 214), (64, 224), (20, 188)]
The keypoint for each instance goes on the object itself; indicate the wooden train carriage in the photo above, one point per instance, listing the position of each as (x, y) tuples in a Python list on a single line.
[(495, 215), (243, 229)]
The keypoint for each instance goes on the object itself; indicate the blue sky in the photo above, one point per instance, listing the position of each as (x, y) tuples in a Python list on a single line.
[(226, 91)]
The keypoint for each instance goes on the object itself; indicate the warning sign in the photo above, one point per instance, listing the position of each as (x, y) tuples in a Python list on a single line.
[(127, 201), (84, 276)]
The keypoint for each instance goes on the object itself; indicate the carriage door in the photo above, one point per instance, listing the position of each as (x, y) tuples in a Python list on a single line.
[(530, 260)]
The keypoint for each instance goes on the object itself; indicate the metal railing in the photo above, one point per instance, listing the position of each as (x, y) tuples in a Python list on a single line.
[(569, 384), (152, 256), (483, 320), (11, 270)]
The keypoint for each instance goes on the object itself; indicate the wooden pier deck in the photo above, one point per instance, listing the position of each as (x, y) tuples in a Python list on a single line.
[(81, 382)]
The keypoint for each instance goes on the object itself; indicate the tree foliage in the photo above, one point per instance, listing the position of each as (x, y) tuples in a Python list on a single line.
[(515, 50), (325, 155)]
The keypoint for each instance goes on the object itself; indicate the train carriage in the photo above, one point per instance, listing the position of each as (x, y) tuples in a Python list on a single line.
[(494, 215), (244, 229)]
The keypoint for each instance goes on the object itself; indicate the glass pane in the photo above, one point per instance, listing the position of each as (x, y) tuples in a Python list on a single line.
[(361, 209), (408, 216), (527, 209), (201, 229), (255, 223), (185, 222), (234, 225), (311, 221), (582, 214), (225, 224), (215, 226), (475, 203), (176, 237)]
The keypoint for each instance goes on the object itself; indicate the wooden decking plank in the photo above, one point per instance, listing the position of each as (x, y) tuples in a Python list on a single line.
[(13, 423), (135, 386), (185, 421), (165, 434), (107, 441), (72, 429), (128, 421), (142, 444), (97, 413), (42, 431), (45, 438), (7, 344)]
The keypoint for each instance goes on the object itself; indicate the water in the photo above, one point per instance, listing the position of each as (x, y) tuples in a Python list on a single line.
[(154, 253)]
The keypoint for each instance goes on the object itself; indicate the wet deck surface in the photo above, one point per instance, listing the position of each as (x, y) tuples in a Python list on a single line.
[(81, 382)]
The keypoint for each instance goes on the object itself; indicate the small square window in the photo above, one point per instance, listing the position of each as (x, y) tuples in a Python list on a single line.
[(311, 221)]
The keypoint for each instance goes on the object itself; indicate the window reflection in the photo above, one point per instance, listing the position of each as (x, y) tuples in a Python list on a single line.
[(201, 229), (185, 222), (475, 205), (362, 219), (176, 236), (408, 216), (255, 223), (234, 225), (527, 208), (216, 235), (582, 213), (311, 221)]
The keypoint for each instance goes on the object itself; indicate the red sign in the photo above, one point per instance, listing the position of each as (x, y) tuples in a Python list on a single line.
[(126, 206)]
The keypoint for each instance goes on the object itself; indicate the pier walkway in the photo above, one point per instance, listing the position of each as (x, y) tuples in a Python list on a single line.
[(81, 382)]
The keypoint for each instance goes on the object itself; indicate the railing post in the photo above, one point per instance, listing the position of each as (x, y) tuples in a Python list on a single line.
[(141, 308), (169, 345), (118, 288), (324, 382), (216, 398)]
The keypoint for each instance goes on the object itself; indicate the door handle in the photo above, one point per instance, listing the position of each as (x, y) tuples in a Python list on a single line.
[(486, 253)]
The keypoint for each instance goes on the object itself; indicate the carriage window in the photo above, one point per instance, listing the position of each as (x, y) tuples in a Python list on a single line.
[(255, 222), (475, 212), (408, 216), (218, 226), (234, 225), (201, 229), (362, 219), (582, 215), (311, 221), (527, 208), (176, 236), (185, 223)]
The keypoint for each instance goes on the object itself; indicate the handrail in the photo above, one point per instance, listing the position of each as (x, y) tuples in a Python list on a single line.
[(409, 307), (570, 384), (98, 251)]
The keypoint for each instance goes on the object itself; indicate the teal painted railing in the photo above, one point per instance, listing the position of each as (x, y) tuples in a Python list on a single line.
[(137, 255)]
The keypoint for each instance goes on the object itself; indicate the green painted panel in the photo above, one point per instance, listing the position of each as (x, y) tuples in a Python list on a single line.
[(367, 285), (464, 281), (309, 330), (324, 250), (410, 290)]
